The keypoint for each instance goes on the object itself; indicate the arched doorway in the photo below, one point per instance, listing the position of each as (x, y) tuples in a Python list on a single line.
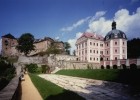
[(101, 59), (123, 66), (115, 66), (108, 67), (133, 66), (102, 67)]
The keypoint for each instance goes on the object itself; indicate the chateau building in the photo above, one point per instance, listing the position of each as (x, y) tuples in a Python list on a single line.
[(9, 43), (95, 48)]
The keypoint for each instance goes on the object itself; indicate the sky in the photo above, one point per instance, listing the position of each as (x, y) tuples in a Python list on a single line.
[(66, 20)]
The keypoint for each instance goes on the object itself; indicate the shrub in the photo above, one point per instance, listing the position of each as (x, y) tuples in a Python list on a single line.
[(44, 68), (7, 72), (32, 68), (88, 67), (133, 66)]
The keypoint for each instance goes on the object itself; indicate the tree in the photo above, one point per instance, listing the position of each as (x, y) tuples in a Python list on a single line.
[(67, 47), (25, 43), (133, 48)]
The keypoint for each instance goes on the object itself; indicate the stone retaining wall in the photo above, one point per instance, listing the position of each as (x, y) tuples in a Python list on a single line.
[(11, 90)]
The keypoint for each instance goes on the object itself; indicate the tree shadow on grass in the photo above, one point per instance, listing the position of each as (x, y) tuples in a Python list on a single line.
[(65, 95), (130, 77)]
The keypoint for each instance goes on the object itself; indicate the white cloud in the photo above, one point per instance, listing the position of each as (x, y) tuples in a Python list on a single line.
[(73, 41), (82, 21), (129, 23), (75, 25), (97, 15), (57, 38)]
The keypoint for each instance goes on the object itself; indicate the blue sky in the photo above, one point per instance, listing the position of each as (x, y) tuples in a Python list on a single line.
[(66, 20)]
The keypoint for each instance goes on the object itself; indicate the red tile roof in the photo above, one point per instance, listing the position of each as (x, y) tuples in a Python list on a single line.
[(92, 35)]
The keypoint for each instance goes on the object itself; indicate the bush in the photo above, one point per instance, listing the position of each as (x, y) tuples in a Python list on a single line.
[(45, 68), (133, 66), (33, 68), (7, 72), (88, 67)]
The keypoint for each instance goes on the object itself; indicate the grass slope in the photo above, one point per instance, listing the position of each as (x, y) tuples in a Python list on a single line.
[(50, 91)]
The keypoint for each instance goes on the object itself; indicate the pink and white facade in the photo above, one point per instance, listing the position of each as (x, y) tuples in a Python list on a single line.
[(94, 48)]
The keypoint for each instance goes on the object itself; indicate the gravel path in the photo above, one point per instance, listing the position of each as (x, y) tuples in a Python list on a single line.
[(90, 89), (29, 91)]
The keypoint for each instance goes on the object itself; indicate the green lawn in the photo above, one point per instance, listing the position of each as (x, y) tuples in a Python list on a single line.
[(127, 76), (50, 91), (123, 76)]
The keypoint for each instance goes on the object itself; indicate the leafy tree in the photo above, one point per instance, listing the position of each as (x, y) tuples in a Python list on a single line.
[(25, 43), (133, 48), (67, 47)]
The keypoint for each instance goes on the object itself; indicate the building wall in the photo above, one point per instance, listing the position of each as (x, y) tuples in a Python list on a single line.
[(8, 47), (89, 49), (92, 50)]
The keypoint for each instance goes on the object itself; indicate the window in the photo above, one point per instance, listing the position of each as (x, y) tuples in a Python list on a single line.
[(101, 52), (101, 45), (97, 51), (106, 58), (106, 52), (6, 42), (82, 52), (90, 58), (90, 43), (107, 44), (94, 59), (85, 51), (123, 51), (97, 59), (85, 58), (82, 44), (90, 51), (94, 51), (115, 58), (85, 43), (115, 43), (94, 43), (115, 50), (123, 43), (97, 44)]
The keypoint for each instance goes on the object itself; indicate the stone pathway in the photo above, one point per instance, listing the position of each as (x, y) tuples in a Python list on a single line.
[(90, 89), (28, 90)]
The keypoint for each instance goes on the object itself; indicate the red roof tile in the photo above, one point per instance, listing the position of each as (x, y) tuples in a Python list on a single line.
[(92, 35)]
